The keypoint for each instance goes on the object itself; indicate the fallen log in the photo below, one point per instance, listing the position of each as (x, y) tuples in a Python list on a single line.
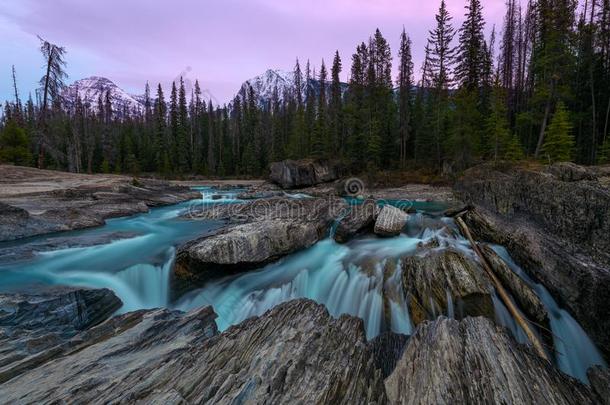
[(502, 292)]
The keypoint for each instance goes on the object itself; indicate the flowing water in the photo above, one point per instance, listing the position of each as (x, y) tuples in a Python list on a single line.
[(134, 257)]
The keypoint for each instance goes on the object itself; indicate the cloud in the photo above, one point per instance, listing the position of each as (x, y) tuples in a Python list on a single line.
[(224, 42)]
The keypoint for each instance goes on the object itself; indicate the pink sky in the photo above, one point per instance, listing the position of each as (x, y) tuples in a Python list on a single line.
[(222, 42)]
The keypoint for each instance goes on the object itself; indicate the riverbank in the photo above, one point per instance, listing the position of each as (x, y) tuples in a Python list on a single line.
[(234, 273)]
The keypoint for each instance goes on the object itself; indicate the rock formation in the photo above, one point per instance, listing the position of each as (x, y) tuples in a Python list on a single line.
[(303, 173), (390, 221), (472, 361)]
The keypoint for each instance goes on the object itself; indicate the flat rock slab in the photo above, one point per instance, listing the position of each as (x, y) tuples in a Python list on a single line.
[(472, 361), (37, 202)]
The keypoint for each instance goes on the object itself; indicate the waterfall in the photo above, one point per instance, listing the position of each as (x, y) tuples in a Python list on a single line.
[(338, 276), (574, 350)]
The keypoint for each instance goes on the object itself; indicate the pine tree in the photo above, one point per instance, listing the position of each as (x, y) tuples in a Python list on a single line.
[(335, 144), (174, 126), (559, 142), (405, 86), (471, 52), (161, 146), (182, 138), (320, 139), (440, 60)]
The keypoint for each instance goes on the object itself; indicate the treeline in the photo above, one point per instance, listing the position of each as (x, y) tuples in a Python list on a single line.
[(544, 96)]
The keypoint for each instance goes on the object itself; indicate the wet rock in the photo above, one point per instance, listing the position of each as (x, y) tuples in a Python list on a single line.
[(303, 173), (445, 282), (390, 221), (33, 326), (527, 299), (472, 361), (386, 350), (599, 377), (359, 218), (295, 353), (577, 281), (242, 247)]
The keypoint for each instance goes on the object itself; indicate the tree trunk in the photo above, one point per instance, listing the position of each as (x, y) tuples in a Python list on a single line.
[(545, 119)]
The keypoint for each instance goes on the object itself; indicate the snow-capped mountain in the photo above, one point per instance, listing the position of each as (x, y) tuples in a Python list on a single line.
[(92, 88), (264, 85)]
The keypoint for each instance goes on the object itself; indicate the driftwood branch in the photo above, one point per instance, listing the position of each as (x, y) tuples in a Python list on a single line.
[(502, 293)]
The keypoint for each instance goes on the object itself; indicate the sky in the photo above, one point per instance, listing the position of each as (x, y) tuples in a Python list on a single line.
[(221, 43)]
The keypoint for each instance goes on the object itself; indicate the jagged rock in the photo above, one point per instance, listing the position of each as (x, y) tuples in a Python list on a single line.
[(359, 218), (472, 361), (576, 281), (34, 323), (294, 353), (303, 173), (390, 221), (599, 377), (526, 298), (386, 350), (433, 280)]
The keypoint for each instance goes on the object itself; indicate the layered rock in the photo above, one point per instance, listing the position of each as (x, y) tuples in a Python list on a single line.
[(472, 361), (34, 327), (359, 218), (36, 202), (599, 377), (575, 280), (526, 298), (390, 221), (445, 282), (295, 353), (303, 173), (569, 201), (554, 222)]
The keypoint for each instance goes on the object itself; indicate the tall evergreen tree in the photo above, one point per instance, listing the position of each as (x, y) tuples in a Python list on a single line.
[(405, 89)]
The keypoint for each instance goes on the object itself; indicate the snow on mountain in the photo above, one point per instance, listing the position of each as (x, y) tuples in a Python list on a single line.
[(92, 88), (265, 84)]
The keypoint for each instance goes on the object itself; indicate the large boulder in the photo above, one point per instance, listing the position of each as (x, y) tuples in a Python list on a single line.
[(35, 327), (294, 353), (359, 218), (303, 173), (445, 282), (472, 361), (257, 233), (239, 248), (390, 221)]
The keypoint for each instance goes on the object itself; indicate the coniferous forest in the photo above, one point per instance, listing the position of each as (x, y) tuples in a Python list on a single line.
[(537, 88)]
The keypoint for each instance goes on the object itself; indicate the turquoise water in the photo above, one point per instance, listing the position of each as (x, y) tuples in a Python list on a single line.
[(134, 257)]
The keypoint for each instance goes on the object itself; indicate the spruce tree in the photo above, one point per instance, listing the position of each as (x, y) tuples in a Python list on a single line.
[(405, 87), (335, 145), (441, 59), (559, 143), (320, 139)]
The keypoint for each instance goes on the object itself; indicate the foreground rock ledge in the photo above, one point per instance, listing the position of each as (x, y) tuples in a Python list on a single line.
[(295, 353), (472, 361)]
